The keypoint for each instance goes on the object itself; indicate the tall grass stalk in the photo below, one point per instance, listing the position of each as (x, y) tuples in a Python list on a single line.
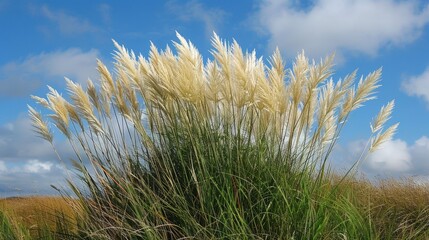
[(171, 147)]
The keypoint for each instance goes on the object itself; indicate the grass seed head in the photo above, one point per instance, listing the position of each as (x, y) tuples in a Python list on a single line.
[(40, 126), (382, 137), (382, 117)]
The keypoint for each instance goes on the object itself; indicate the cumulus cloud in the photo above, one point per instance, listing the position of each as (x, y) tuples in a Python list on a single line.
[(31, 177), (29, 166), (195, 11), (395, 158), (36, 166), (363, 26), (420, 153), (24, 77), (418, 86)]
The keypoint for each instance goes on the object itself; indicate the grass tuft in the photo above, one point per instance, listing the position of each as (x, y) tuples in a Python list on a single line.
[(171, 147)]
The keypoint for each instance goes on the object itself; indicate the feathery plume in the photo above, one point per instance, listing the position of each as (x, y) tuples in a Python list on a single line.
[(41, 101), (40, 126), (366, 88), (382, 137), (83, 104), (107, 84), (382, 116), (58, 105), (93, 95)]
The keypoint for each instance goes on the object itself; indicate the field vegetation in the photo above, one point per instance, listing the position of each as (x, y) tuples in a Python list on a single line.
[(36, 218), (175, 147), (398, 209)]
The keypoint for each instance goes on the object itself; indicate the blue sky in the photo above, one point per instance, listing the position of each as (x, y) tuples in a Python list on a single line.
[(43, 41)]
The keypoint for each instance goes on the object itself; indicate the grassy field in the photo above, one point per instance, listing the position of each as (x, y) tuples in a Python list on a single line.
[(397, 210), (37, 217)]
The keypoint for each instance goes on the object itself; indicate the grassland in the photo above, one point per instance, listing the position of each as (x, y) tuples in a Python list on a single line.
[(37, 217), (398, 209)]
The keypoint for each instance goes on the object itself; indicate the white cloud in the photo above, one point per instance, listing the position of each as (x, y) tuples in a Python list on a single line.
[(420, 154), (418, 86), (31, 177), (66, 23), (36, 166), (394, 157), (23, 78), (362, 26), (195, 11)]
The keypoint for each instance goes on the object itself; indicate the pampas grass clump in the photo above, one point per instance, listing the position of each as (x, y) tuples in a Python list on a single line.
[(172, 147)]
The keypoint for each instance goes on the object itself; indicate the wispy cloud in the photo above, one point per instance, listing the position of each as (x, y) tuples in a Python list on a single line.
[(325, 26), (23, 78), (195, 11), (104, 10), (66, 23), (418, 86)]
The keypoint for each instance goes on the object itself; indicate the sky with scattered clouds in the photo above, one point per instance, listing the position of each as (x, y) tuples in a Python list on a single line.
[(45, 41)]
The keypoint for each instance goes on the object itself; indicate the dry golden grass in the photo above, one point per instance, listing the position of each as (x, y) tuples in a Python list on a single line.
[(33, 212), (398, 205), (398, 209), (400, 196)]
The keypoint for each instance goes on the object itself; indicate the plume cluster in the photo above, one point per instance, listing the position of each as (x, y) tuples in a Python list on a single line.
[(300, 108), (172, 121)]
